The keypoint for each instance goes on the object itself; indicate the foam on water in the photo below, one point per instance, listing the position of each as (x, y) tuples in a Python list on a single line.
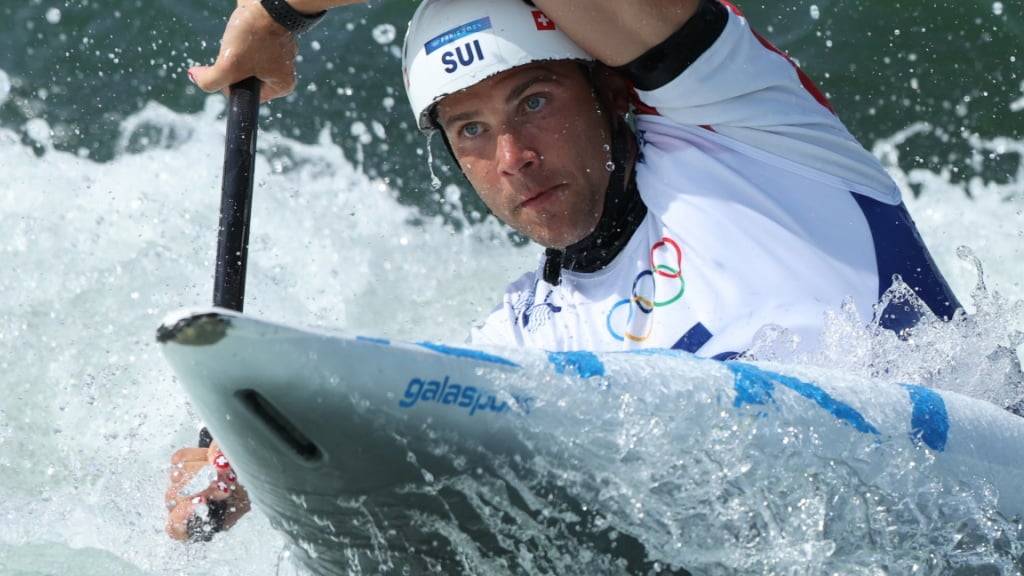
[(94, 254)]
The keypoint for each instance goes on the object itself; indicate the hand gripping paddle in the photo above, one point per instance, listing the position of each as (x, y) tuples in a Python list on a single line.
[(232, 241)]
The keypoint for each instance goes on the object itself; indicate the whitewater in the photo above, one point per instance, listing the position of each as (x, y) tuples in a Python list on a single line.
[(95, 253)]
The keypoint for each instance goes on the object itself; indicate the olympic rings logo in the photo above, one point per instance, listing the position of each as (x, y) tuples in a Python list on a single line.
[(643, 301)]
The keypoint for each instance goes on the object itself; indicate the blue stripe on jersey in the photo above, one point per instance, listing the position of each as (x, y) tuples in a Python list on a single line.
[(900, 250), (694, 338)]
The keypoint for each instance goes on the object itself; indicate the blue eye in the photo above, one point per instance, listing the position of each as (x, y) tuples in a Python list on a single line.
[(471, 130), (535, 103)]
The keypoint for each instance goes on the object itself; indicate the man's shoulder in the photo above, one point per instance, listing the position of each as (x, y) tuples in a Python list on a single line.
[(742, 91), (826, 155)]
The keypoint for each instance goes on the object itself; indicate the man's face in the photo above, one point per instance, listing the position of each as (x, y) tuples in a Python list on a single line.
[(535, 144)]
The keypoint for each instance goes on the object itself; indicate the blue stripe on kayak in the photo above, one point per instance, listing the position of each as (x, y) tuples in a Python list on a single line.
[(467, 353), (721, 356), (656, 352), (587, 364), (380, 341), (756, 386), (751, 386), (929, 422)]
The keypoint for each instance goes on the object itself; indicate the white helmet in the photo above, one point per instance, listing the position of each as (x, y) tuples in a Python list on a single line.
[(452, 45)]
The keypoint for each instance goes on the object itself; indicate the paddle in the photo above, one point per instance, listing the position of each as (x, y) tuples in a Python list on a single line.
[(232, 240)]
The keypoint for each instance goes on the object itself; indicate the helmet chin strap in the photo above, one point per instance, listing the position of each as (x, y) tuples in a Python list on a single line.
[(621, 215)]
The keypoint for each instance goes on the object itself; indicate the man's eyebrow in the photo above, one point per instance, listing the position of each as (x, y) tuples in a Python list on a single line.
[(544, 75), (455, 118)]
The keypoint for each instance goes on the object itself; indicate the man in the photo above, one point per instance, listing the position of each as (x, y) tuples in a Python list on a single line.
[(738, 200)]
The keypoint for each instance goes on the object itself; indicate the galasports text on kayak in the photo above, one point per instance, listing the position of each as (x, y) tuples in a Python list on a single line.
[(469, 398)]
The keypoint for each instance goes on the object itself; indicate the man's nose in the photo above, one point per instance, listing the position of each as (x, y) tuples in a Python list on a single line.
[(514, 154)]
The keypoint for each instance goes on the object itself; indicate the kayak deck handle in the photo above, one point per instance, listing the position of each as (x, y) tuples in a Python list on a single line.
[(280, 425)]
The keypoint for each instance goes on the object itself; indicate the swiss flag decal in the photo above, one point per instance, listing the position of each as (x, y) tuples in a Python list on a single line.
[(542, 21)]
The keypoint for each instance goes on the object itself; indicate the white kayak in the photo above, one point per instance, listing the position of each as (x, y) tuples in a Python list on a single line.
[(378, 456)]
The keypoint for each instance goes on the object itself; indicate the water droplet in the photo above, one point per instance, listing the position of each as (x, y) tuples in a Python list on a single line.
[(997, 8), (980, 292), (435, 182), (360, 131), (53, 15), (39, 130), (5, 87), (610, 166), (384, 34), (815, 12)]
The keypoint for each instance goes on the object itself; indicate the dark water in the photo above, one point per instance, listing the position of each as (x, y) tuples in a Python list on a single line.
[(957, 66)]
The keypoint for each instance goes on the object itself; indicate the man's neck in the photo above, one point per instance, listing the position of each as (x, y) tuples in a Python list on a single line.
[(622, 214)]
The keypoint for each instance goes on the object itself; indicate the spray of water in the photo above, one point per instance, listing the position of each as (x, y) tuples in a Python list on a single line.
[(95, 254)]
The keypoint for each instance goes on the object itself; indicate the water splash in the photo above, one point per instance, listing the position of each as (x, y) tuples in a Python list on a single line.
[(134, 237), (658, 480), (972, 354)]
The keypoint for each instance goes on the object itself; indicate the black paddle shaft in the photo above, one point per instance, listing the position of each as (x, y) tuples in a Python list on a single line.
[(232, 240), (236, 194)]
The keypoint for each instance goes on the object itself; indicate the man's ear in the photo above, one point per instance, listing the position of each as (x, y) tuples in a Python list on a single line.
[(614, 89)]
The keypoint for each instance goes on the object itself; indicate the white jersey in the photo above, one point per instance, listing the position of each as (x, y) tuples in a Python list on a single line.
[(762, 210)]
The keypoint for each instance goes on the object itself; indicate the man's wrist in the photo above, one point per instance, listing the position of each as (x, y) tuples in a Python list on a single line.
[(291, 18)]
